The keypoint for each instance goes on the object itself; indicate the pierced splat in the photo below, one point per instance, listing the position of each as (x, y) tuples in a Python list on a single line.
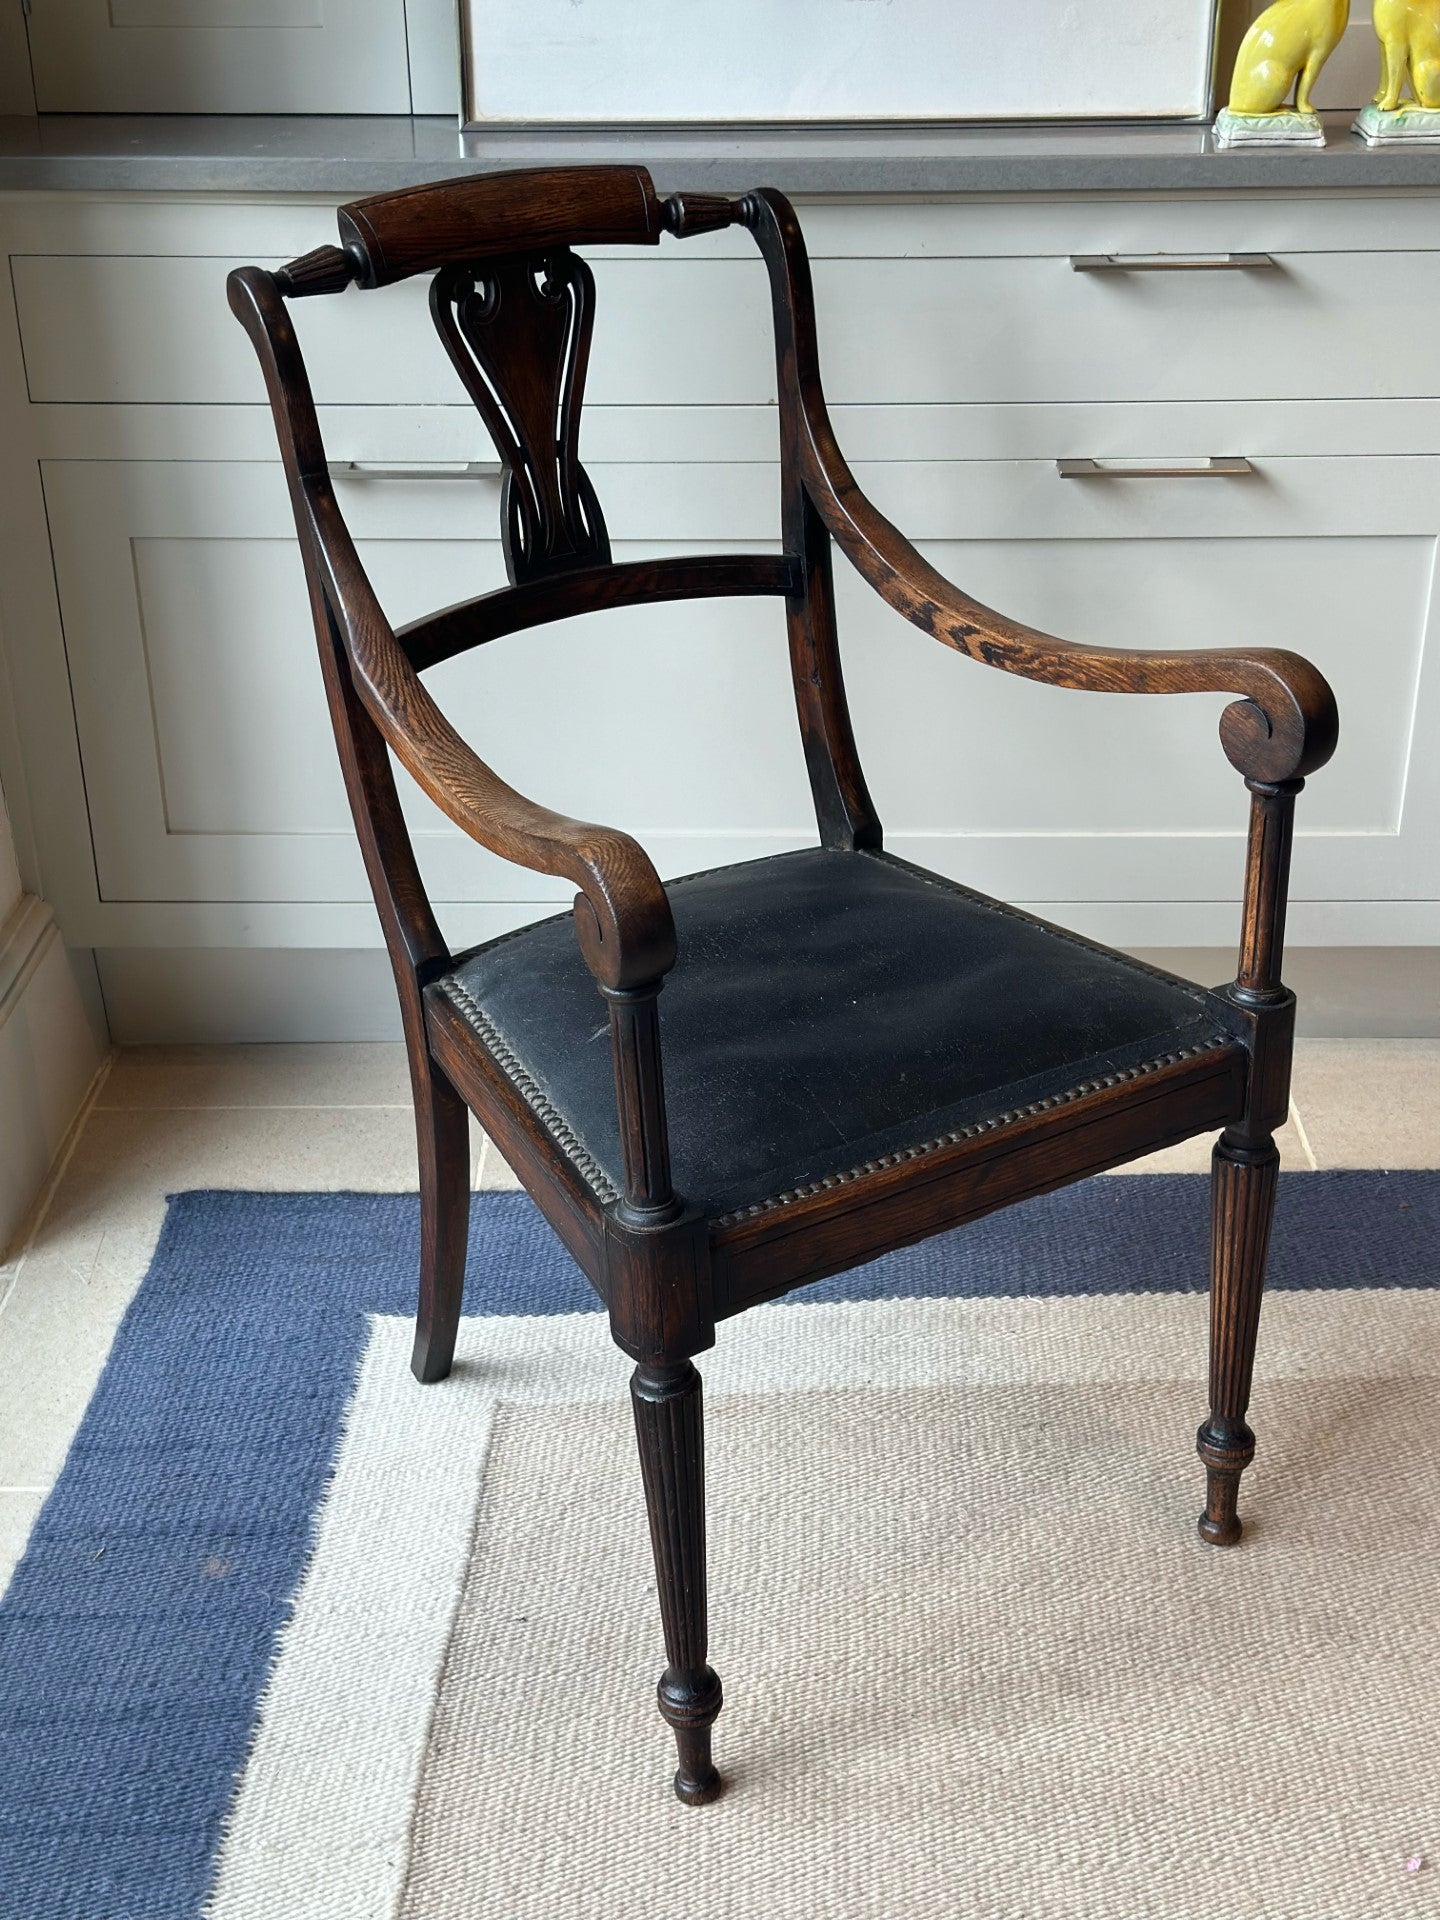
[(518, 330)]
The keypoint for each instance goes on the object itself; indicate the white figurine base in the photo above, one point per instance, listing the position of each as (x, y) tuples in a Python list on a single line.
[(1407, 124), (1268, 129)]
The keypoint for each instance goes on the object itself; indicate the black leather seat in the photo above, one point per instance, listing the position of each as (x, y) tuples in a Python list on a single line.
[(826, 1009)]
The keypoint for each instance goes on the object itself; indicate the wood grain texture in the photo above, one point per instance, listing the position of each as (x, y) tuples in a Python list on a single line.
[(1285, 722), (1267, 884), (659, 1282), (390, 236)]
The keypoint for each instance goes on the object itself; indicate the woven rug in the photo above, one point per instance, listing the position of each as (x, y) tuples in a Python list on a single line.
[(296, 1638)]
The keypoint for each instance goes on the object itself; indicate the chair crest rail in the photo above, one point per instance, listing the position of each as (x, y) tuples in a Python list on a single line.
[(391, 236)]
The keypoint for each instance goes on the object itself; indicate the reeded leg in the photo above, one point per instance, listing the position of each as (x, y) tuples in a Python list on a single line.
[(1243, 1175), (669, 1428), (442, 1126)]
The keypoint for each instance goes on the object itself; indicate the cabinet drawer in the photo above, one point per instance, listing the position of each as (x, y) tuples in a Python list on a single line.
[(211, 775), (346, 56), (673, 330)]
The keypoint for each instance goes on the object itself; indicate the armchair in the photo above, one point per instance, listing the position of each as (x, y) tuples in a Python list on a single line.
[(831, 1071)]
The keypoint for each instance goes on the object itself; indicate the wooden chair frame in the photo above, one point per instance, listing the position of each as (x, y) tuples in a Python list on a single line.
[(500, 247)]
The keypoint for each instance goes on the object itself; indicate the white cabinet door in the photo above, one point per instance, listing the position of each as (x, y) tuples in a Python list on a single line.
[(211, 774), (219, 56), (203, 722)]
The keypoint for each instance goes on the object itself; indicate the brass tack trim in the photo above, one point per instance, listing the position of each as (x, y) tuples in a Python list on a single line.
[(1215, 1044), (590, 1170), (530, 1091)]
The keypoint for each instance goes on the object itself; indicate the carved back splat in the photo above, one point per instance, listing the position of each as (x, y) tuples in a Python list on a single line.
[(518, 330)]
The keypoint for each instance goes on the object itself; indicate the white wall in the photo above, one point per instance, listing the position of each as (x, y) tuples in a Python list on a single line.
[(53, 1040)]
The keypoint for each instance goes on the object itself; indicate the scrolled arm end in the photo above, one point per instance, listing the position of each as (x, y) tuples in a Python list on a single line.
[(1287, 726), (623, 921)]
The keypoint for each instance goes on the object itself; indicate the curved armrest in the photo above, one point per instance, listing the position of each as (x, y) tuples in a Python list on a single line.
[(1283, 726), (622, 915)]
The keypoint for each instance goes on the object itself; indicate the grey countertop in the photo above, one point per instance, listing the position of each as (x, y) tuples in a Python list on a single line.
[(350, 156)]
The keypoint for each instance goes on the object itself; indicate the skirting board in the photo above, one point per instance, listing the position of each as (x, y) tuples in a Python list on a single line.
[(221, 994), (52, 1044)]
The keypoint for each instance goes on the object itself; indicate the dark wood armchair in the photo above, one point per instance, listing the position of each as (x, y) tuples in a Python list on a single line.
[(856, 1053)]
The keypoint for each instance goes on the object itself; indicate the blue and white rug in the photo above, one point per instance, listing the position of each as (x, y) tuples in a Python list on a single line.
[(297, 1638)]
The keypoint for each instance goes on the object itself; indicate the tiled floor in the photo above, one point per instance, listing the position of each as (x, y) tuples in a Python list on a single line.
[(295, 1117)]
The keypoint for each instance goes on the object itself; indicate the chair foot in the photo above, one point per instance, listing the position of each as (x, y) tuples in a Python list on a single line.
[(698, 1791), (442, 1130), (1226, 1454), (430, 1360), (669, 1429), (689, 1704), (1216, 1530)]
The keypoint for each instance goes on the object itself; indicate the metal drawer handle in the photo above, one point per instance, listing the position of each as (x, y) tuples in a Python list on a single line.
[(1216, 467), (379, 470), (1170, 262)]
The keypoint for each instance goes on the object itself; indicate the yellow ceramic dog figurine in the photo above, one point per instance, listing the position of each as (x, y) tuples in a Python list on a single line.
[(1286, 47), (1409, 33)]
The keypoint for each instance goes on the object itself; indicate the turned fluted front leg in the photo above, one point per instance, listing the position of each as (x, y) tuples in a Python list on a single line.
[(1244, 1170), (669, 1428)]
